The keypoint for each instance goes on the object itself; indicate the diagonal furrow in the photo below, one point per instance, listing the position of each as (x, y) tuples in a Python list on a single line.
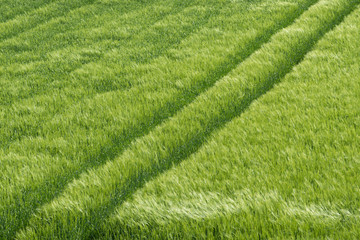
[(87, 201), (28, 200)]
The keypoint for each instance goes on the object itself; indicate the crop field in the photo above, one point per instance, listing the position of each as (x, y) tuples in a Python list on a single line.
[(180, 119)]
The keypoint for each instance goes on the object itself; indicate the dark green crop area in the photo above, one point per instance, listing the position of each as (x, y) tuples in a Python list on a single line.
[(169, 119)]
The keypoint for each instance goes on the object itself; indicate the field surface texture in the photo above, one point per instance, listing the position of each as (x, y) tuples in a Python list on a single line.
[(169, 119)]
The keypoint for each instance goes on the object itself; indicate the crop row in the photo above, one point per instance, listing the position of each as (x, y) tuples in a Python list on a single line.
[(35, 169), (87, 201)]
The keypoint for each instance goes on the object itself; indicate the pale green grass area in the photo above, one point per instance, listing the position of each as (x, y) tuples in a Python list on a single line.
[(179, 119), (80, 210), (286, 168)]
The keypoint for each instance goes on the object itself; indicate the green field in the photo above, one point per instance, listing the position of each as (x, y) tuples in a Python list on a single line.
[(169, 119)]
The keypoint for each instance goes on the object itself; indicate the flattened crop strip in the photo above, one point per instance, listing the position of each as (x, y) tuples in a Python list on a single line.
[(91, 198)]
